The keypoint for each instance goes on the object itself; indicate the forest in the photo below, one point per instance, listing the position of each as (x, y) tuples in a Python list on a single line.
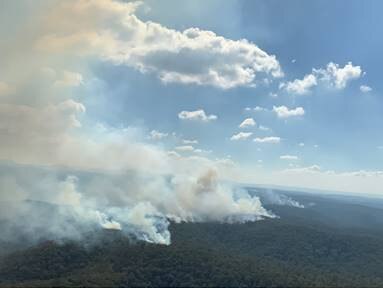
[(331, 242)]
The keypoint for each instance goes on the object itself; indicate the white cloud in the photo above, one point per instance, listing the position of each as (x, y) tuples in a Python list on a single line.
[(198, 115), (186, 141), (338, 77), (241, 136), (301, 144), (156, 135), (271, 140), (192, 56), (331, 76), (300, 87), (185, 148), (284, 112), (248, 122), (288, 157), (365, 88)]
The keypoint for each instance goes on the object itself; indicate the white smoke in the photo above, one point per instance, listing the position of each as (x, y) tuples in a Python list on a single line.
[(112, 178), (271, 197), (107, 223), (132, 203)]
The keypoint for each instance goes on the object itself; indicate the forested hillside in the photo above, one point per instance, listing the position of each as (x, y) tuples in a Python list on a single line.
[(303, 247)]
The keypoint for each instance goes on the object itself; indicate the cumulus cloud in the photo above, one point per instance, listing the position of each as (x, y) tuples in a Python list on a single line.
[(192, 56), (284, 112), (332, 76), (300, 87), (339, 77), (241, 136), (198, 115), (288, 157), (365, 88), (271, 140), (248, 122)]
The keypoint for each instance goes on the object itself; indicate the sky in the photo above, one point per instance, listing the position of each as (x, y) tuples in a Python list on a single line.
[(264, 92)]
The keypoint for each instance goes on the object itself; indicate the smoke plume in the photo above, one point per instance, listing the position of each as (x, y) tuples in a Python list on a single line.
[(64, 174), (56, 206), (271, 197)]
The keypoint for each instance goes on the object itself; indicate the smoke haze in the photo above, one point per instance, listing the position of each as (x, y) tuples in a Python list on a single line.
[(67, 207), (64, 174)]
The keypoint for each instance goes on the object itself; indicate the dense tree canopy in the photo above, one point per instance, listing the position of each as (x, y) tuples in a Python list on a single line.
[(302, 248)]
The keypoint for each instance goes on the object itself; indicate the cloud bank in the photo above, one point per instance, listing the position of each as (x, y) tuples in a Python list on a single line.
[(110, 29)]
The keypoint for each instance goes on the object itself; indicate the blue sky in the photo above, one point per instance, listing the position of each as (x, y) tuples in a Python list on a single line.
[(329, 127), (344, 123)]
